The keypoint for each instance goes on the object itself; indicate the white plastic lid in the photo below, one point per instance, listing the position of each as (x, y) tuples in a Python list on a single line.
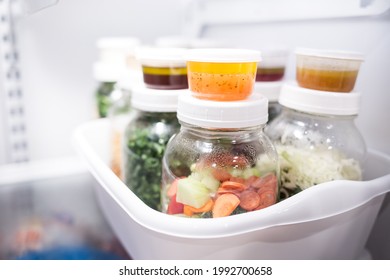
[(155, 100), (118, 42), (172, 42), (252, 111), (161, 57), (271, 90), (108, 72), (223, 55), (273, 57), (330, 54), (321, 102), (116, 49)]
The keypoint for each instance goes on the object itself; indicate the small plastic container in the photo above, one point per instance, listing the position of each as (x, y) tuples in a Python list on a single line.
[(271, 90), (163, 68), (222, 74), (325, 70), (273, 64), (316, 138), (220, 163), (151, 125)]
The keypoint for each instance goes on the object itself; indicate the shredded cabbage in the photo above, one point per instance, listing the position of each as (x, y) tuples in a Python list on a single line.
[(303, 168)]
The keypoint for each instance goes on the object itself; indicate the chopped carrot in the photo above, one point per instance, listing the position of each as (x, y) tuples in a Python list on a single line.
[(231, 185), (237, 180), (250, 180), (249, 200), (267, 198), (225, 205), (266, 182), (187, 211), (205, 208), (221, 191)]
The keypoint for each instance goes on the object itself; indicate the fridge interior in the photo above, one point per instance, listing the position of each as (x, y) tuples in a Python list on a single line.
[(56, 48)]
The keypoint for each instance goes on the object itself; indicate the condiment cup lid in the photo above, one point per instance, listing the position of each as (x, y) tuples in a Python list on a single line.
[(334, 54), (108, 72), (320, 102), (252, 111), (161, 57), (222, 55), (118, 42), (155, 100), (271, 90)]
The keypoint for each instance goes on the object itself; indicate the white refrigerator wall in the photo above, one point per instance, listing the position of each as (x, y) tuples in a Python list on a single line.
[(57, 49)]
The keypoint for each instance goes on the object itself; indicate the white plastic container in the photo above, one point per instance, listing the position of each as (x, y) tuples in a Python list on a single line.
[(309, 225), (327, 70), (273, 64), (163, 68), (222, 74)]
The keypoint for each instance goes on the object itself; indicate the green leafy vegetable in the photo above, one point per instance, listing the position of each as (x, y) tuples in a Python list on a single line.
[(103, 98), (146, 139)]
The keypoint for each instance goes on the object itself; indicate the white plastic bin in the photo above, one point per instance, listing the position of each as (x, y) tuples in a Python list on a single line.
[(328, 221)]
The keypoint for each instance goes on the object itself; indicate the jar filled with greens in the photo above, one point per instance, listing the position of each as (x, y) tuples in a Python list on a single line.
[(220, 163), (152, 124), (316, 138)]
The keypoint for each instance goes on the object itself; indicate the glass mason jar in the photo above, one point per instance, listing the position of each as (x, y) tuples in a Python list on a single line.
[(316, 138), (104, 98), (152, 124), (220, 163), (119, 116)]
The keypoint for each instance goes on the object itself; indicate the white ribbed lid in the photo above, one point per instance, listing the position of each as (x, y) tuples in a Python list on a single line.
[(252, 111), (155, 100), (271, 90), (321, 102), (223, 55)]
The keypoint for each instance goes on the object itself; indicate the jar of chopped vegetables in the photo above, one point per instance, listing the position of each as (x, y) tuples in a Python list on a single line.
[(152, 124), (316, 138), (220, 163)]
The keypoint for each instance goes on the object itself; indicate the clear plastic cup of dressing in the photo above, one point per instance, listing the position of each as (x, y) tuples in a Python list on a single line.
[(326, 70), (163, 68), (221, 74)]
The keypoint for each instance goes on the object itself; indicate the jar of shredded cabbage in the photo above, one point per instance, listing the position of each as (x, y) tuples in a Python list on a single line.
[(316, 138)]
